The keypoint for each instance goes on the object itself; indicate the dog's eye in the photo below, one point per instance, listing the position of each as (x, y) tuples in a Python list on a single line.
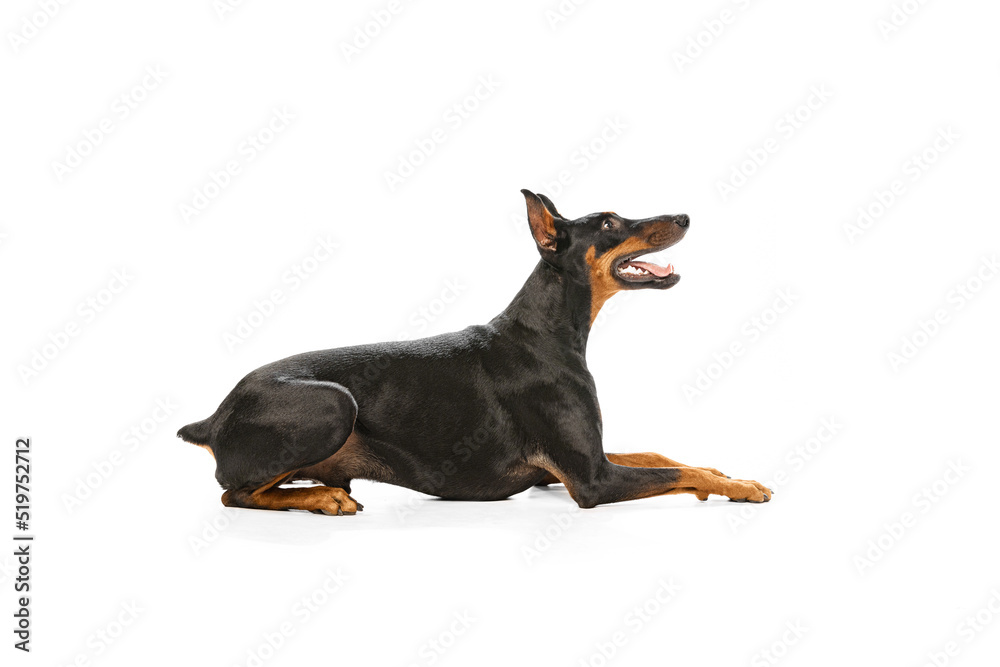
[(608, 224)]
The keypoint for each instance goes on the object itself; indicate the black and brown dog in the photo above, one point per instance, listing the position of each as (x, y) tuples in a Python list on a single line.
[(480, 414)]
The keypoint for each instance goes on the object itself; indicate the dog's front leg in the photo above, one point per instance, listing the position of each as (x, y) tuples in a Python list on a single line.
[(654, 460), (574, 455), (612, 483)]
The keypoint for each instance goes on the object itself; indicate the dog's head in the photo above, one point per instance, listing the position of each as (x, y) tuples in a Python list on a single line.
[(602, 249)]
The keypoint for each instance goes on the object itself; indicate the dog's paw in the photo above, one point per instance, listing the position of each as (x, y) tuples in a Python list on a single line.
[(747, 491), (713, 471), (336, 502)]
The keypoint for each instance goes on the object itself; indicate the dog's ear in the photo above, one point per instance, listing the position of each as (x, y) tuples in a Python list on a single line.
[(549, 205), (542, 220)]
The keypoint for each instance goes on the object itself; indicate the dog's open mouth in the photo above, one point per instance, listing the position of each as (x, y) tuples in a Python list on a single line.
[(631, 270)]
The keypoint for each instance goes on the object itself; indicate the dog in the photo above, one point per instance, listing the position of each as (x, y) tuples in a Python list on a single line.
[(479, 414)]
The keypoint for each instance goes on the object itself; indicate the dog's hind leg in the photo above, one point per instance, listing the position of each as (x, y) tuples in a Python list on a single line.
[(318, 499), (549, 479), (268, 429)]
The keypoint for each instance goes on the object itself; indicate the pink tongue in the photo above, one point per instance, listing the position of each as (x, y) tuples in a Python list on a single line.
[(658, 271)]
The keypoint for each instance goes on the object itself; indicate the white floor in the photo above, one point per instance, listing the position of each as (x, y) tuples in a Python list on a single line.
[(530, 580)]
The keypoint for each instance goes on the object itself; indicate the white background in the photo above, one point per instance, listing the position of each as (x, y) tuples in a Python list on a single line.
[(850, 553)]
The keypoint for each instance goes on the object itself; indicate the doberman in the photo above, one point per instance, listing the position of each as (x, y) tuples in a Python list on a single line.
[(479, 414)]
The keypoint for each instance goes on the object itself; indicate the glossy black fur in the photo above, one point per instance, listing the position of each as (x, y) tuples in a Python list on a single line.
[(479, 414)]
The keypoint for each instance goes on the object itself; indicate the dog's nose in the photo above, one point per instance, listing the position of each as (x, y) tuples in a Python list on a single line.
[(683, 220)]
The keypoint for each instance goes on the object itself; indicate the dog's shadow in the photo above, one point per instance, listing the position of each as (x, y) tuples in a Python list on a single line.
[(537, 509)]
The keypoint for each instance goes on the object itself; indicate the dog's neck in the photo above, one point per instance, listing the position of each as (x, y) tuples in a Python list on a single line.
[(554, 305)]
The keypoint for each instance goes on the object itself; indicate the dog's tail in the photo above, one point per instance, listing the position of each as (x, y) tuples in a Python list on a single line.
[(197, 433)]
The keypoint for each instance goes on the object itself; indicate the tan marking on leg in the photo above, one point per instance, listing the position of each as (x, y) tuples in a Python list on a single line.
[(703, 483), (324, 499), (654, 460), (271, 496), (644, 460), (700, 482)]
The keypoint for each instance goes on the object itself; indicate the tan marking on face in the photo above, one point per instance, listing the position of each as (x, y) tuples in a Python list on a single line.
[(603, 284), (207, 449)]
